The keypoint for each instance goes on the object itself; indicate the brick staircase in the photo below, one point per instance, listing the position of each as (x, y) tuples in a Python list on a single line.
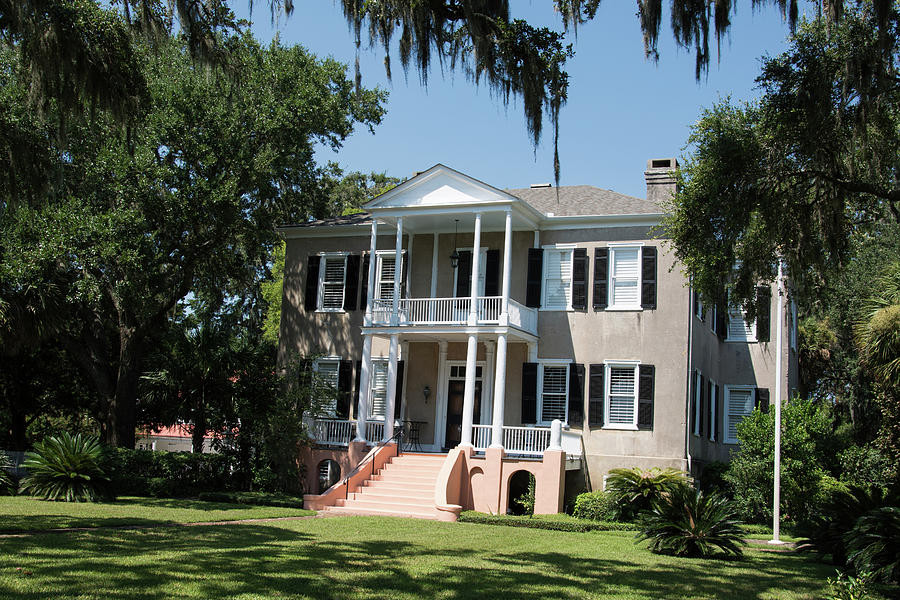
[(404, 487)]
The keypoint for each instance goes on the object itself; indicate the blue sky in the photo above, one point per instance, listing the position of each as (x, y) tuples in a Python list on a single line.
[(622, 109)]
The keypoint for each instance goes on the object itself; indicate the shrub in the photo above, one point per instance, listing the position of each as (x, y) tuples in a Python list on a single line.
[(687, 522), (7, 482), (845, 587), (526, 500), (873, 545), (807, 454), (168, 474), (865, 466), (538, 523), (254, 498), (595, 506), (826, 533), (635, 490), (712, 479), (66, 467)]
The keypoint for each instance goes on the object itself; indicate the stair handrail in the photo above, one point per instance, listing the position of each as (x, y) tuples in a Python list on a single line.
[(370, 457)]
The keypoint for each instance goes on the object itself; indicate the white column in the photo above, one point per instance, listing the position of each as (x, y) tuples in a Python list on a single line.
[(404, 355), (487, 381), (391, 388), (476, 253), (532, 352), (434, 269), (409, 251), (499, 394), (440, 403), (364, 388), (398, 260), (373, 265), (469, 393), (507, 255)]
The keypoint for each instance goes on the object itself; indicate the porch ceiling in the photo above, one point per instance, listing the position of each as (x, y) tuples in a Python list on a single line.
[(443, 219), (408, 334)]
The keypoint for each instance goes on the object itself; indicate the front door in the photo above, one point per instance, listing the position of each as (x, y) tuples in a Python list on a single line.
[(456, 389)]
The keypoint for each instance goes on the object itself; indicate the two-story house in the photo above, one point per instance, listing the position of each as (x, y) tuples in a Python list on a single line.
[(540, 330)]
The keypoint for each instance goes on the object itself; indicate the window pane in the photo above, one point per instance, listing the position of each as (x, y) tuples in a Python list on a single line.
[(621, 395), (333, 283), (379, 389), (557, 278), (386, 277), (740, 404), (328, 376), (625, 277), (554, 393)]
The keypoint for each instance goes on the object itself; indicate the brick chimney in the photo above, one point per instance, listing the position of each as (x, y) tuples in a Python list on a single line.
[(660, 178)]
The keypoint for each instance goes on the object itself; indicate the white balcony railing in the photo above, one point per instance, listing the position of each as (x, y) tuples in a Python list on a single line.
[(453, 311), (339, 432), (516, 440)]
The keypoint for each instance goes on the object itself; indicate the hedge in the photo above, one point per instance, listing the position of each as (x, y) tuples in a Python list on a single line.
[(167, 474), (572, 525), (256, 498)]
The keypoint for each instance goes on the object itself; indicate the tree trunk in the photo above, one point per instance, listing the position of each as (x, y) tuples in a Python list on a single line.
[(120, 424), (199, 424)]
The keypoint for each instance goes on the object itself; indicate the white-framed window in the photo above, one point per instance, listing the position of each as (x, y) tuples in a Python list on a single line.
[(379, 388), (698, 396), (554, 392), (384, 273), (624, 277), (698, 305), (332, 278), (621, 381), (557, 277), (713, 401), (738, 404), (714, 317), (739, 329), (327, 370)]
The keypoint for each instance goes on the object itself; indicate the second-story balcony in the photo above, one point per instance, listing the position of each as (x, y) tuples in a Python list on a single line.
[(454, 311)]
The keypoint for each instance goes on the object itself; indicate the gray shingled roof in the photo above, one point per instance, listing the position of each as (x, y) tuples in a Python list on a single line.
[(583, 200), (354, 219)]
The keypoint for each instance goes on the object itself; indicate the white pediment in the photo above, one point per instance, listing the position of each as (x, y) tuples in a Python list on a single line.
[(439, 186)]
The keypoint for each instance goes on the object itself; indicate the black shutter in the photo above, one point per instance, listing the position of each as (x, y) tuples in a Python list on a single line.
[(693, 402), (596, 396), (364, 288), (762, 399), (579, 279), (351, 285), (709, 407), (533, 279), (601, 278), (404, 268), (718, 419), (648, 277), (646, 391), (704, 399), (464, 274), (529, 393), (763, 313), (345, 374), (576, 395), (398, 395), (311, 300), (721, 319), (356, 391), (492, 272)]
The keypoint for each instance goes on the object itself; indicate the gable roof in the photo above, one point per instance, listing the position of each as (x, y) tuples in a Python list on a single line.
[(583, 200)]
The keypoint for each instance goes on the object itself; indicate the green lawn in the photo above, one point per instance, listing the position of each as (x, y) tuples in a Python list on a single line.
[(18, 513), (370, 557)]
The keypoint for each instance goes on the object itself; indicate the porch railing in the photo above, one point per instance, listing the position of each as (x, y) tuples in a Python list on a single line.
[(339, 432), (530, 441), (453, 311)]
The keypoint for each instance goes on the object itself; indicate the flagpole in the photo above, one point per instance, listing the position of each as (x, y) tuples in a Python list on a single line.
[(776, 500)]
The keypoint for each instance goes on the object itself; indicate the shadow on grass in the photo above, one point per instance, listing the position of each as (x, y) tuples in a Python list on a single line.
[(264, 561)]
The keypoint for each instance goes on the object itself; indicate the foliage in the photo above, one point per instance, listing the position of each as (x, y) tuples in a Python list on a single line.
[(536, 522), (635, 490), (866, 466), (801, 172), (168, 474), (688, 522), (873, 545), (252, 498), (808, 453), (527, 499), (712, 478), (595, 506), (66, 467), (185, 203), (271, 290), (8, 484), (826, 533), (847, 587)]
